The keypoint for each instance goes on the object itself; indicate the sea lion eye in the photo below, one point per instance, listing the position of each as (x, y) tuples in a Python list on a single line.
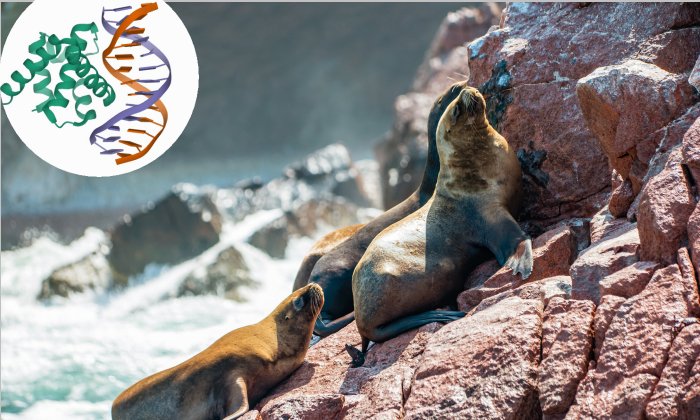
[(298, 303)]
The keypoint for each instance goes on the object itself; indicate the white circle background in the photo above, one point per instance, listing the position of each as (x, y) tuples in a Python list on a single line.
[(69, 148)]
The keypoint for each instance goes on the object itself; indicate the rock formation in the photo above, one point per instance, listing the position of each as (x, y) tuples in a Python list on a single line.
[(596, 99)]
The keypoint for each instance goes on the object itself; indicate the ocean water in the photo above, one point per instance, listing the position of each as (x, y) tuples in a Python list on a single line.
[(69, 358)]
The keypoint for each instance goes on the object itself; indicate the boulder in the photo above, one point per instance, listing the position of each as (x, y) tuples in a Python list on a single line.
[(180, 226), (608, 255), (636, 348), (664, 209), (629, 281), (567, 337), (604, 224), (272, 238), (89, 273), (224, 277), (621, 197), (623, 103), (481, 366), (544, 290)]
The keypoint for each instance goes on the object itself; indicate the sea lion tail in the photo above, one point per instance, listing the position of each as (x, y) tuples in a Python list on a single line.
[(325, 327)]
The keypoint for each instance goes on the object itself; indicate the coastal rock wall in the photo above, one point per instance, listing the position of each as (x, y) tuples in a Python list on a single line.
[(595, 98)]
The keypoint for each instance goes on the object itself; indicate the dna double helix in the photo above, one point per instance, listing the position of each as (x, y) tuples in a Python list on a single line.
[(131, 133)]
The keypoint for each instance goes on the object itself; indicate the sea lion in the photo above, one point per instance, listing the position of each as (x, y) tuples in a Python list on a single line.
[(232, 374), (420, 263), (321, 248), (333, 271)]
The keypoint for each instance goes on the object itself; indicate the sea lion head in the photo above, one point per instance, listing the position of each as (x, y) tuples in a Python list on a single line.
[(468, 110), (442, 102), (301, 307)]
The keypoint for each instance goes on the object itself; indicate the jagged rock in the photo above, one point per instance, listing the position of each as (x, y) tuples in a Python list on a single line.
[(674, 51), (625, 102), (604, 314), (629, 281), (375, 390), (668, 393), (567, 336), (552, 253), (91, 272), (603, 225), (224, 277), (664, 208), (544, 290), (181, 225), (608, 255), (481, 366), (272, 238), (635, 348), (305, 407)]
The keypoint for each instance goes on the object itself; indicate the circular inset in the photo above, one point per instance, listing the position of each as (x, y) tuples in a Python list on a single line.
[(98, 88)]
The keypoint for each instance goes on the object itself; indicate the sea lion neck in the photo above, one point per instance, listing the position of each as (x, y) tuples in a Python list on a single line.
[(432, 166)]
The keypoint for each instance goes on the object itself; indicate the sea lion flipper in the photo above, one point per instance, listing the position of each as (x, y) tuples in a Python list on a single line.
[(325, 327), (521, 260), (238, 398)]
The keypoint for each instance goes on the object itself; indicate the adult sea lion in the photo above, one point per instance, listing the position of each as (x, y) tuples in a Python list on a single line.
[(232, 374), (420, 263), (333, 271)]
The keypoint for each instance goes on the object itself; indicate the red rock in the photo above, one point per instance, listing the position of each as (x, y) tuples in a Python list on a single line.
[(629, 281), (694, 237), (621, 197), (305, 407), (604, 314), (621, 104), (684, 354), (544, 290), (601, 259), (664, 208), (635, 348), (688, 273), (691, 149), (604, 225), (674, 51), (481, 366), (530, 68), (552, 254), (567, 336), (689, 405), (455, 31), (378, 388)]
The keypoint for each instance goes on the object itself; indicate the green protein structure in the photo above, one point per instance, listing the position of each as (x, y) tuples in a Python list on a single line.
[(71, 52)]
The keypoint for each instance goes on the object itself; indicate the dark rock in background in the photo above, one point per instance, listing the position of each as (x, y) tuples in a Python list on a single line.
[(224, 277), (181, 225), (89, 273)]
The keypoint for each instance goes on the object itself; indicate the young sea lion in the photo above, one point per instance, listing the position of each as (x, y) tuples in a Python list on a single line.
[(232, 374), (333, 271), (420, 263)]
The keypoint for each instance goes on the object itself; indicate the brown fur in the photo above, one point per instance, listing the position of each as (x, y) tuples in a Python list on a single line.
[(321, 248), (420, 263), (232, 374)]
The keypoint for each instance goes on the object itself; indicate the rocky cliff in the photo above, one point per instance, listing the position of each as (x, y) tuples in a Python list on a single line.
[(601, 102)]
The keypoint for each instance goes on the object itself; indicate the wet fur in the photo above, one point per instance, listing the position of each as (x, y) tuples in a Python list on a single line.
[(233, 373)]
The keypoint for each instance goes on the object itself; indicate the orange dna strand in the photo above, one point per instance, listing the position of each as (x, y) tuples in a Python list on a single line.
[(135, 129)]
